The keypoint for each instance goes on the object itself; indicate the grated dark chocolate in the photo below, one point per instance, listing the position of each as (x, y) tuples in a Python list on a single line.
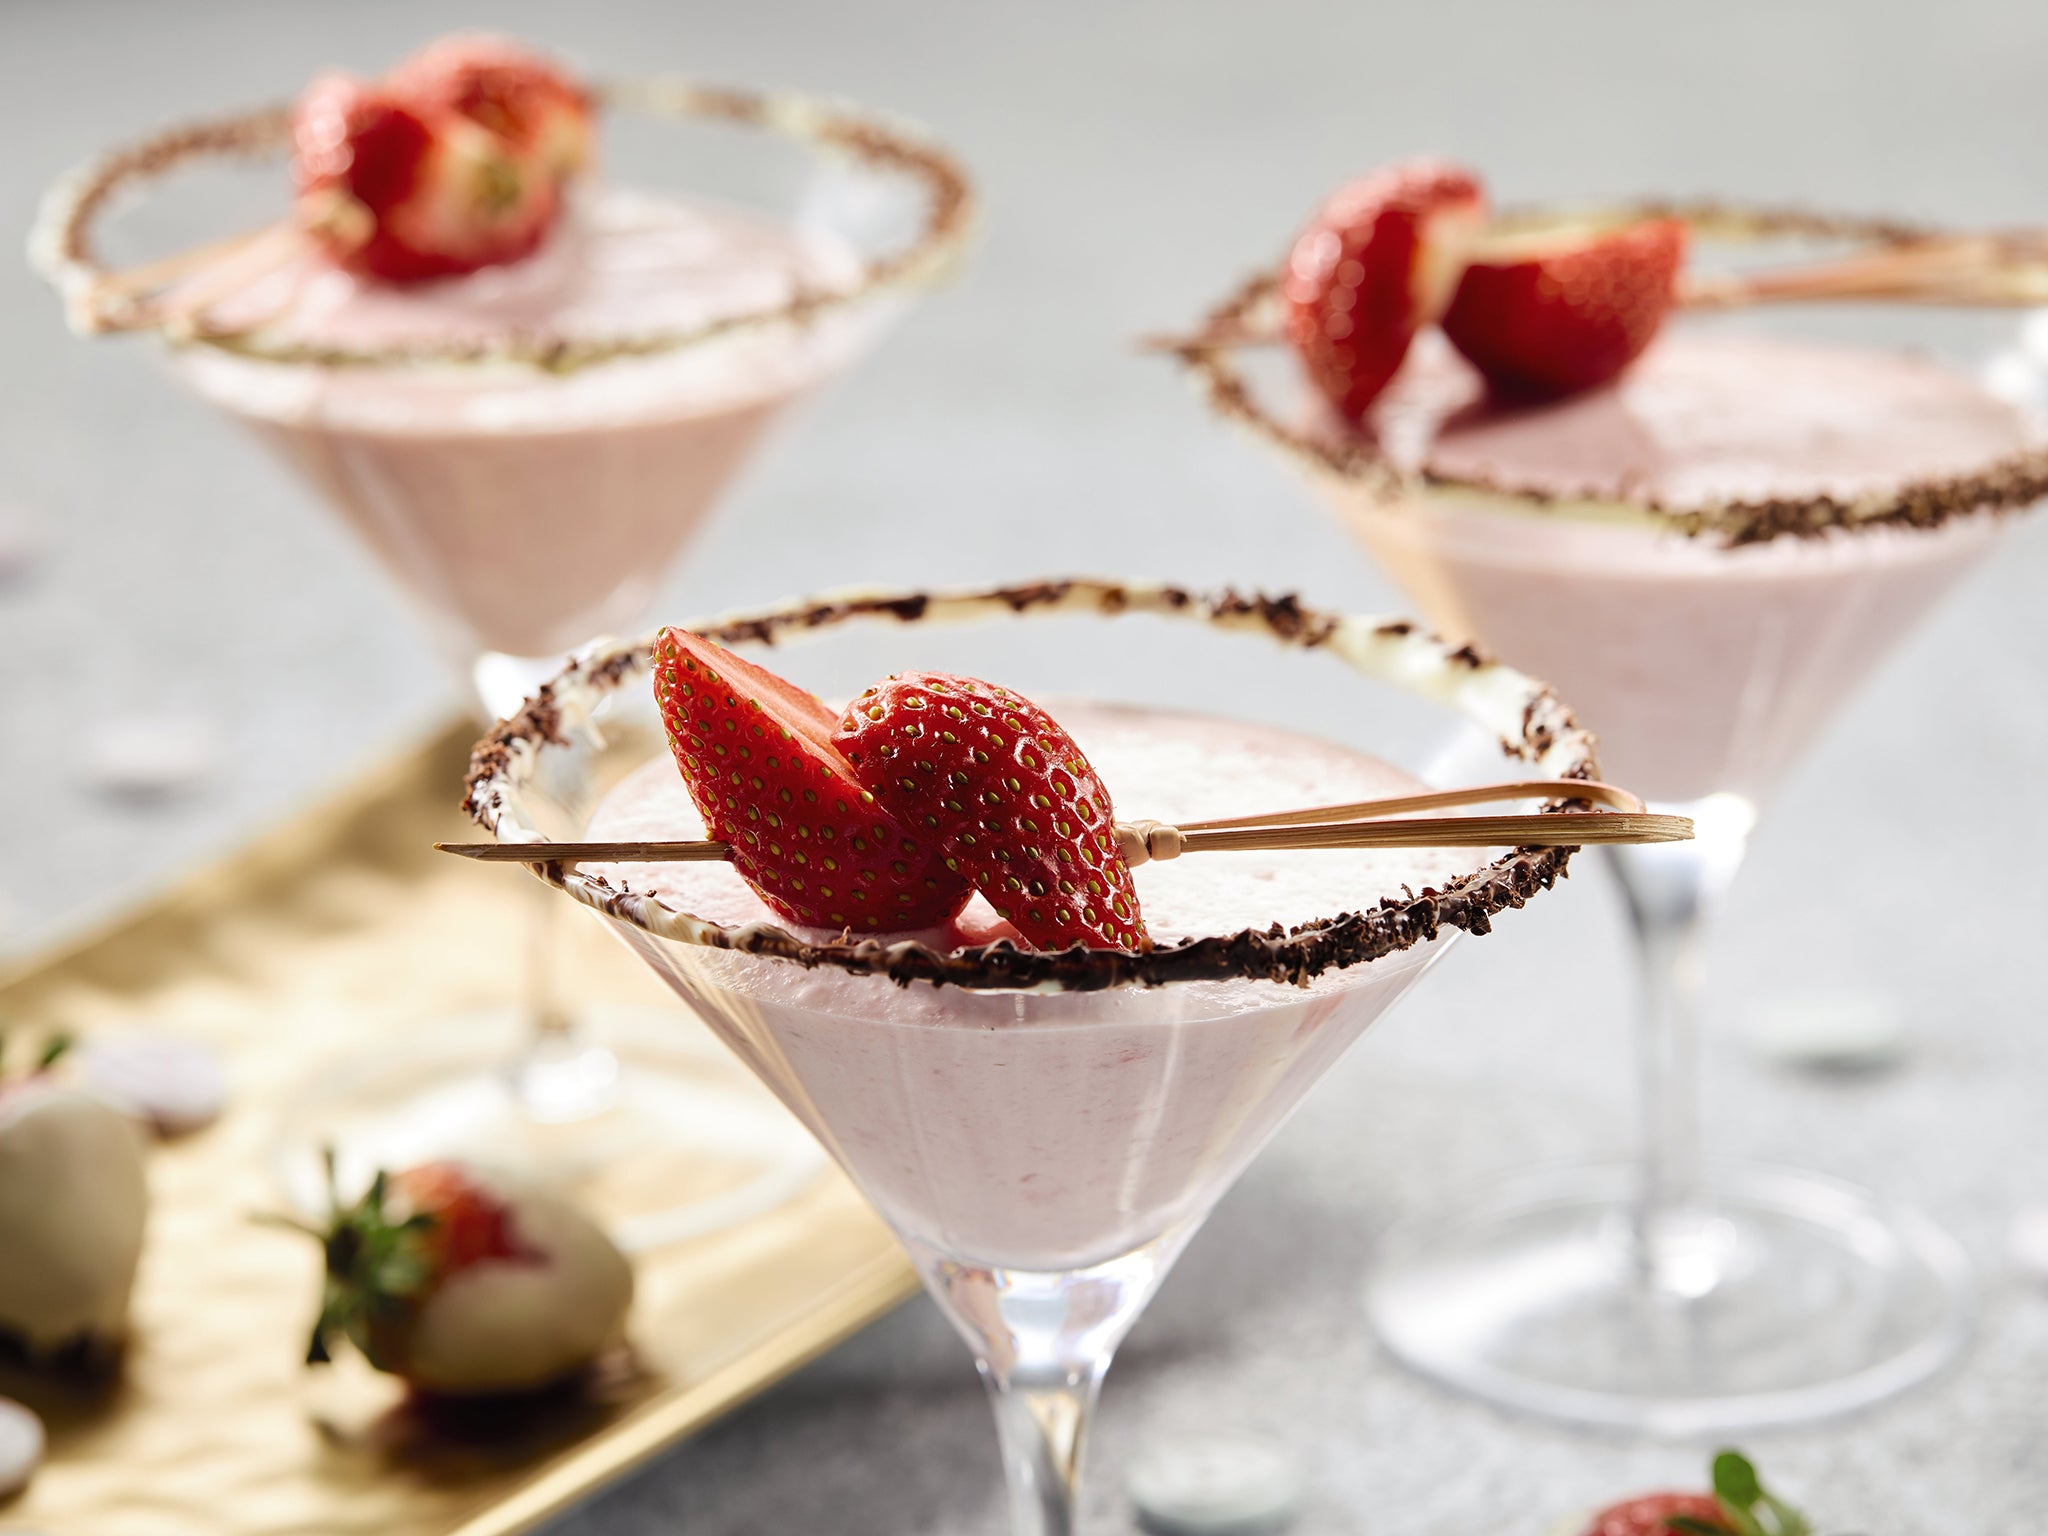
[(64, 248), (1293, 955), (2006, 484)]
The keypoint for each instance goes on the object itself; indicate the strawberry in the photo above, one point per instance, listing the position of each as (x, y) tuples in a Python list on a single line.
[(1739, 1506), (759, 757), (1010, 799), (403, 193), (463, 1284), (74, 1202), (467, 1224), (1651, 1515), (1379, 261), (501, 85), (1551, 312)]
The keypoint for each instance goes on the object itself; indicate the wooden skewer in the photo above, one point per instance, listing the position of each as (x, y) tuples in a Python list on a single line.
[(1436, 800), (182, 309), (150, 276), (1965, 270), (1145, 841), (591, 853), (1969, 271), (1556, 831), (175, 292), (1354, 824)]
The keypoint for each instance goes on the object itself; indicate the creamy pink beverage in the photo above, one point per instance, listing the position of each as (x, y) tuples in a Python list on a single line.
[(526, 510), (1701, 667), (1048, 1131)]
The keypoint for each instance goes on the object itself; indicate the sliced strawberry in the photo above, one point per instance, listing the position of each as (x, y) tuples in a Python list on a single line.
[(1009, 797), (1551, 312), (517, 93), (758, 756), (402, 193), (1651, 1515), (1379, 261)]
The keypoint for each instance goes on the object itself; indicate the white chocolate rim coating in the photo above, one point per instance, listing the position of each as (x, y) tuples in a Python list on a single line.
[(1533, 726), (61, 245)]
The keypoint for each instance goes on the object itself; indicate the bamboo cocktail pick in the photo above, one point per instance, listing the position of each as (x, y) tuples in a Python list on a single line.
[(1358, 824), (2003, 269)]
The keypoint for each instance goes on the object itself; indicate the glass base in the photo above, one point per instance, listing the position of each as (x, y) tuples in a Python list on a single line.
[(1779, 1297), (659, 1136)]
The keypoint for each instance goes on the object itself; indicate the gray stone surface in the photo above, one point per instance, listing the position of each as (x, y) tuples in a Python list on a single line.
[(1136, 158)]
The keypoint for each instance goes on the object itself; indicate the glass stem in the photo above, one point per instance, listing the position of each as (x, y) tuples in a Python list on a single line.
[(1673, 891), (551, 1024), (1042, 1419), (1043, 1341), (557, 1075)]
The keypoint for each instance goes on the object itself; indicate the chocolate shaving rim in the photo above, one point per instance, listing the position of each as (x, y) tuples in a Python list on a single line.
[(1531, 723), (2002, 485), (62, 246)]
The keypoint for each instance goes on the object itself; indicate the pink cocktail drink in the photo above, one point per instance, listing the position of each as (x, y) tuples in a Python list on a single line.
[(1044, 1126), (1706, 667), (1709, 539), (1054, 1131), (523, 510), (526, 386)]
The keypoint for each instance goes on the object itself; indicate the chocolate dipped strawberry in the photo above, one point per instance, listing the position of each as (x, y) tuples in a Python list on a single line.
[(1379, 261), (758, 755), (74, 1201), (1740, 1505), (1553, 310), (1007, 796), (465, 1284), (404, 191)]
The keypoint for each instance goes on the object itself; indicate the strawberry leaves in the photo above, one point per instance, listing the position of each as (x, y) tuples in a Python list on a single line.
[(1748, 1508)]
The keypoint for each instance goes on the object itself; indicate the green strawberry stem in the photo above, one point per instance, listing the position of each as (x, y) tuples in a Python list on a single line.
[(376, 1268), (1745, 1504)]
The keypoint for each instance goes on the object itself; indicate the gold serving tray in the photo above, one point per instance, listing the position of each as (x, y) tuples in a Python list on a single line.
[(337, 929)]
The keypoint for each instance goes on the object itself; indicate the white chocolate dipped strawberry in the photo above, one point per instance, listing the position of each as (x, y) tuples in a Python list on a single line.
[(465, 1284), (74, 1201), (1740, 1505)]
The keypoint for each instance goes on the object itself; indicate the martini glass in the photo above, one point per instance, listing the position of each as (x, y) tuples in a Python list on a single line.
[(1046, 1131), (1708, 648), (527, 451)]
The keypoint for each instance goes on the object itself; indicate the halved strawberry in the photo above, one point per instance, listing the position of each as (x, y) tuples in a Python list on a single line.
[(1012, 802), (517, 93), (757, 753), (404, 193), (1740, 1505), (1652, 1514), (1552, 311), (1379, 261)]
